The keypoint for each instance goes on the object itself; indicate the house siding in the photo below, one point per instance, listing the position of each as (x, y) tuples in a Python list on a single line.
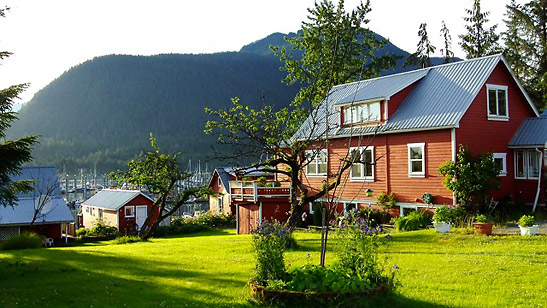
[(396, 100), (138, 200), (481, 135), (391, 170)]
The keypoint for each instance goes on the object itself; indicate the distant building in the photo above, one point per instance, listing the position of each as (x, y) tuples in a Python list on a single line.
[(47, 196)]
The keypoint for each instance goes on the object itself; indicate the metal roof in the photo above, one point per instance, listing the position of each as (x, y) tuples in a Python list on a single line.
[(440, 98), (544, 114), (112, 199), (381, 87), (531, 133), (55, 209)]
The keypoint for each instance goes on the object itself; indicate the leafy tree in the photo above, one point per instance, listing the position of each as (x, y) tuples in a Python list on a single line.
[(336, 49), (160, 173), (425, 49), (13, 153), (471, 178), (447, 39), (526, 45), (478, 41)]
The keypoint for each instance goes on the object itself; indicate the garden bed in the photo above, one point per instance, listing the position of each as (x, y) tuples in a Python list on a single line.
[(261, 293)]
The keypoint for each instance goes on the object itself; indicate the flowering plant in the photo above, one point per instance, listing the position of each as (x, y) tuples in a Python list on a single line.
[(269, 243), (443, 214)]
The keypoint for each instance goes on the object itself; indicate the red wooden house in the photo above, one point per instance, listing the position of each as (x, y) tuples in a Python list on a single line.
[(252, 197), (412, 122), (124, 209)]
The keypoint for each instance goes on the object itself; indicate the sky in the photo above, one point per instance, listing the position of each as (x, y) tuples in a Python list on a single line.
[(49, 37)]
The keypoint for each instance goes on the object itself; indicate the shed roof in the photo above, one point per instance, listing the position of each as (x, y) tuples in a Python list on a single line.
[(440, 98), (46, 182), (113, 199), (531, 133)]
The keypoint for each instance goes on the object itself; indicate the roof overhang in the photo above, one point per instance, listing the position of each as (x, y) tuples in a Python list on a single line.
[(367, 101)]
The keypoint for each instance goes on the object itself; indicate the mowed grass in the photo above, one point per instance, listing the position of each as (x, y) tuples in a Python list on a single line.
[(211, 269)]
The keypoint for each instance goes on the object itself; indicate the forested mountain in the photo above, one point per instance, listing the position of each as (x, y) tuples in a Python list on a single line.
[(101, 112)]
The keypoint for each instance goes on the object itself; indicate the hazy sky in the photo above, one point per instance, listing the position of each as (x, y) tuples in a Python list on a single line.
[(49, 37)]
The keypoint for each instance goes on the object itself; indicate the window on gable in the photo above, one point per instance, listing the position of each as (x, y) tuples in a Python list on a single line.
[(129, 211), (363, 168), (416, 160), (318, 163), (362, 113), (497, 102), (501, 160), (527, 164)]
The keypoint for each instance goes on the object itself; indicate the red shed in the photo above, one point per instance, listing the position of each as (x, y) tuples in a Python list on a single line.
[(124, 209)]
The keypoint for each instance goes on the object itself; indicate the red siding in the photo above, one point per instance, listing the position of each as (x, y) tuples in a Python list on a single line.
[(124, 223), (396, 100), (275, 211), (391, 169), (481, 135), (47, 230)]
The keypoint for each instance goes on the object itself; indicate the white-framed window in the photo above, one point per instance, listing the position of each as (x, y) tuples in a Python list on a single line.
[(318, 163), (416, 160), (219, 182), (497, 105), (129, 211), (501, 160), (100, 213), (362, 113), (350, 207), (88, 210), (527, 164), (364, 168)]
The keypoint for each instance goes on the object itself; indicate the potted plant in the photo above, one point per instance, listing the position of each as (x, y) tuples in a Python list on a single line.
[(483, 225), (527, 225), (442, 218)]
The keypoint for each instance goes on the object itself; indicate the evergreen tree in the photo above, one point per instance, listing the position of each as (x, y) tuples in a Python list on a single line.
[(526, 45), (478, 41), (447, 38), (13, 153), (425, 49)]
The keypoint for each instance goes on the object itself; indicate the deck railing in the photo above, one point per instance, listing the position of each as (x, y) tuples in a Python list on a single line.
[(251, 191)]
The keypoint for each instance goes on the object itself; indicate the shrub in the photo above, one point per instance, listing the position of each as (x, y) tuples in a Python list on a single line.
[(127, 239), (386, 200), (527, 221), (269, 243), (24, 241), (102, 229), (81, 232), (374, 217), (185, 225), (413, 221), (482, 218), (443, 214), (324, 279)]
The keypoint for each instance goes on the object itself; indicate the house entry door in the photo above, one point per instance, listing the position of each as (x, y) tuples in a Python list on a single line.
[(141, 212)]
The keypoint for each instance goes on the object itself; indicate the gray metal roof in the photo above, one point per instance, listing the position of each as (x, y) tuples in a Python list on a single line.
[(381, 87), (544, 114), (55, 209), (531, 133), (112, 199), (440, 98)]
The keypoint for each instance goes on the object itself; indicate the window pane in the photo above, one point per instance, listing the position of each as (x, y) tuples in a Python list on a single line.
[(347, 115), (368, 170), (502, 107), (417, 166), (322, 157), (322, 168), (492, 103), (499, 162), (312, 168), (533, 161), (367, 156), (520, 164), (374, 112), (356, 171), (415, 153)]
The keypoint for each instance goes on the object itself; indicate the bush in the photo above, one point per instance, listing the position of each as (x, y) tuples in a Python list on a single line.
[(127, 239), (185, 225), (81, 232), (413, 221), (102, 229), (527, 221), (269, 243), (386, 200), (24, 241), (443, 214), (374, 217)]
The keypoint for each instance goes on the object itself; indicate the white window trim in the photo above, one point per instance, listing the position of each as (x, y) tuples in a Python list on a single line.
[(347, 203), (125, 211), (497, 117), (220, 205), (363, 178), (528, 153), (527, 175), (503, 156), (316, 153), (416, 174)]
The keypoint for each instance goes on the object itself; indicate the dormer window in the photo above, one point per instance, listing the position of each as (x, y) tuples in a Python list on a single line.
[(362, 113), (497, 102)]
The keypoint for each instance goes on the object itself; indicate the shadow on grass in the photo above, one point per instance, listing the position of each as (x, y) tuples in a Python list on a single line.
[(67, 277)]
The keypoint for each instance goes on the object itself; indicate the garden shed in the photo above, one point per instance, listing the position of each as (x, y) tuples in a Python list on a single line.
[(124, 209)]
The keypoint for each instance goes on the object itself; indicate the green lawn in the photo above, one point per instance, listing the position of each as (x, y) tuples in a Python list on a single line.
[(212, 268)]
